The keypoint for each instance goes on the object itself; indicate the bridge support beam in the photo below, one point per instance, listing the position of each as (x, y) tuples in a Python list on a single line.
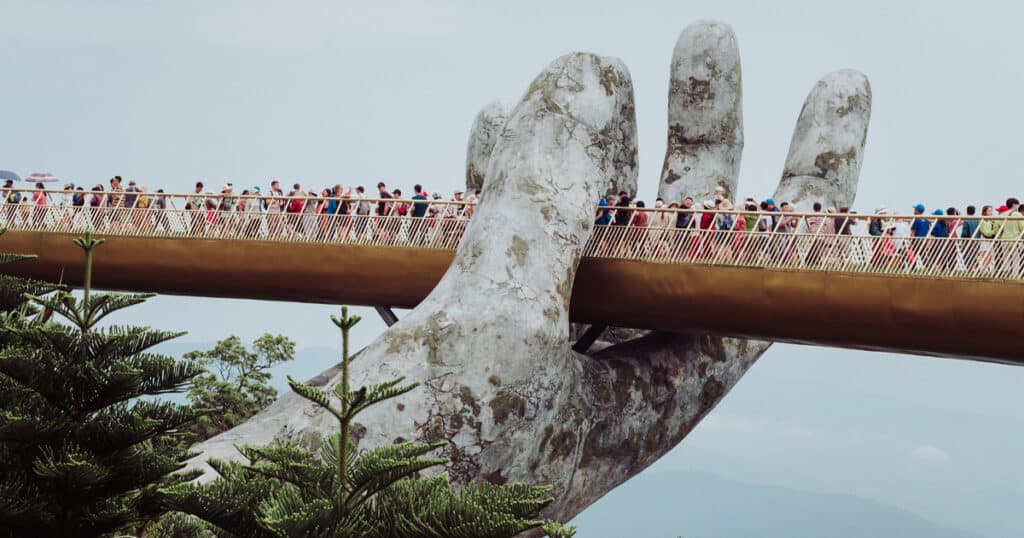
[(588, 338), (386, 314)]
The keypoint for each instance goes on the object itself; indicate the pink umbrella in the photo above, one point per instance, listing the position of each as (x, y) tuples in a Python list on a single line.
[(42, 177)]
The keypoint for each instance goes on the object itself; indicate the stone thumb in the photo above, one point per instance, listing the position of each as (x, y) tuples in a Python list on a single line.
[(570, 138)]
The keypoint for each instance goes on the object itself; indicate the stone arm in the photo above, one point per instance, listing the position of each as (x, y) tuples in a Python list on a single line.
[(491, 343)]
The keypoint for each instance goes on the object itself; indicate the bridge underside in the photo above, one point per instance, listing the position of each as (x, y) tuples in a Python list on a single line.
[(946, 317)]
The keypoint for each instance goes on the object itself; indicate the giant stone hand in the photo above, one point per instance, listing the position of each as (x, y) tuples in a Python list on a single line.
[(491, 344)]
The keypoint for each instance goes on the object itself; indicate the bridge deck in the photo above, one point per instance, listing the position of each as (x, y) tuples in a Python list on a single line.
[(968, 317)]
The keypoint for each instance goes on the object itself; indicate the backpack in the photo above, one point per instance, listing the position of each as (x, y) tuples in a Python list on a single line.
[(363, 208)]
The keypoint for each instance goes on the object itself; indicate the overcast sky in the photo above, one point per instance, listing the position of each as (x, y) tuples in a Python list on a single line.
[(361, 91)]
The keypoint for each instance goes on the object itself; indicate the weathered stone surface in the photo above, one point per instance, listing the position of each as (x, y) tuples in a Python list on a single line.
[(491, 343), (486, 127), (657, 388), (705, 114), (828, 142)]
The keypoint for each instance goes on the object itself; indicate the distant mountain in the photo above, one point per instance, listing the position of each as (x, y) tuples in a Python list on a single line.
[(703, 505)]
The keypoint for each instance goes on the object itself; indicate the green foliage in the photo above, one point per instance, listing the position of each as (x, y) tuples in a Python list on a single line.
[(236, 386), (84, 448), (283, 490)]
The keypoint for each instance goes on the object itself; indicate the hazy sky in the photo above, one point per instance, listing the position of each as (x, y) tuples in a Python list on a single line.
[(355, 92)]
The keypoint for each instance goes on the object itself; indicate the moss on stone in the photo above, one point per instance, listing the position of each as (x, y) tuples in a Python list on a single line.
[(468, 399), (518, 249), (430, 335), (831, 161), (852, 103), (505, 404)]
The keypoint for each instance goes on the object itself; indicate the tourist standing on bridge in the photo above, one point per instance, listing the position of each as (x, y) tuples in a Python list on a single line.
[(382, 223), (622, 213), (1012, 229), (275, 203), (816, 227), (707, 225), (11, 199), (195, 205), (604, 213), (919, 230), (745, 244), (329, 211), (685, 221), (130, 194), (605, 216), (362, 212), (987, 232), (400, 207), (131, 203), (309, 212), (418, 213), (938, 248), (969, 233), (39, 205), (660, 221), (295, 207), (845, 250), (785, 240), (160, 211), (116, 203), (684, 218)]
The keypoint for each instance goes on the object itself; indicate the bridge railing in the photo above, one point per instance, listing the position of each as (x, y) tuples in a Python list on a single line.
[(992, 249)]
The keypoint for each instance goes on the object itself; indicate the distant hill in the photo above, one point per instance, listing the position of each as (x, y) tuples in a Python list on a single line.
[(702, 505)]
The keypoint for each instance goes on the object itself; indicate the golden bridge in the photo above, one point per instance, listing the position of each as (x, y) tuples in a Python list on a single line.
[(938, 296)]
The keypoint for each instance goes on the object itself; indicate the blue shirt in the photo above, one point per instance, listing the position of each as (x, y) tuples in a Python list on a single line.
[(332, 205), (940, 229), (419, 209), (606, 215), (919, 228), (970, 227)]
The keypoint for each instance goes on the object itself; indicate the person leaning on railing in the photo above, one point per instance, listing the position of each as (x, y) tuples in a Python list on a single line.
[(987, 232), (1011, 231)]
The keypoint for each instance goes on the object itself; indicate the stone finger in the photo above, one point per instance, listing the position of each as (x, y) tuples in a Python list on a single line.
[(705, 114), (827, 149), (483, 135)]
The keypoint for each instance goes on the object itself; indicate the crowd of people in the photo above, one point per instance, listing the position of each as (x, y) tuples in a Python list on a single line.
[(250, 211), (755, 229), (713, 229)]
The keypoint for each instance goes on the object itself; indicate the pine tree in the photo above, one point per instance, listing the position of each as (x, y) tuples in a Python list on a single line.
[(283, 490), (85, 447)]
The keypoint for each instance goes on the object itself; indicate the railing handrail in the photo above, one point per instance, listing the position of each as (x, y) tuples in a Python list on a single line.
[(211, 195), (716, 241), (852, 216)]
